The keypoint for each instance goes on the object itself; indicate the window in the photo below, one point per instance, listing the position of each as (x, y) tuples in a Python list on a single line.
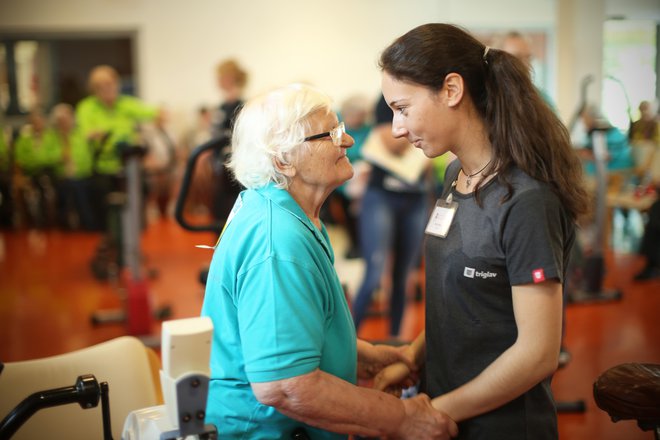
[(45, 70), (629, 69)]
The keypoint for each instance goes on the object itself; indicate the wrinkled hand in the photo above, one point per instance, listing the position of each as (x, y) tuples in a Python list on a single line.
[(373, 358), (423, 422), (395, 378)]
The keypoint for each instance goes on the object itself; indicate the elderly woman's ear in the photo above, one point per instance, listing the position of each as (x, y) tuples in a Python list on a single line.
[(284, 168)]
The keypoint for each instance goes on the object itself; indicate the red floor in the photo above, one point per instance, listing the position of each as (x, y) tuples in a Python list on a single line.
[(48, 293)]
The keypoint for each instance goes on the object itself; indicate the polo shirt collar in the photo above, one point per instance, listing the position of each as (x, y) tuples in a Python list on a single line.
[(284, 200)]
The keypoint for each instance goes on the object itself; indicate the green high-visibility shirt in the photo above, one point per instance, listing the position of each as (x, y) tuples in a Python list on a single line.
[(119, 122), (73, 155), (32, 154), (4, 152)]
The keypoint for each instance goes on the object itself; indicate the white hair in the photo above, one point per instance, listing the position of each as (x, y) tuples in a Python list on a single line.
[(271, 127)]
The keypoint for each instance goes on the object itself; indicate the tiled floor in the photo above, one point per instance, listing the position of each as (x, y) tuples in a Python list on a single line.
[(47, 294)]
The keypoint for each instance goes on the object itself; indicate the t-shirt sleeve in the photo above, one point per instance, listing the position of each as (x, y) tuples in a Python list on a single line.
[(534, 237), (281, 320)]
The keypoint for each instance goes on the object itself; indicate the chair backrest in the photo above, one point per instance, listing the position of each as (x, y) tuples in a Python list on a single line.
[(125, 363)]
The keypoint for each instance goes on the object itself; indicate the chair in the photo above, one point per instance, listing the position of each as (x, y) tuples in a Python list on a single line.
[(129, 367)]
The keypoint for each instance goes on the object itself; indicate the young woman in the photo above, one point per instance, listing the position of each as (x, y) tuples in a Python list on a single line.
[(498, 241)]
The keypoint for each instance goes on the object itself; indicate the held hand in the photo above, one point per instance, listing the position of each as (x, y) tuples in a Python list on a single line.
[(423, 422), (394, 379), (373, 358)]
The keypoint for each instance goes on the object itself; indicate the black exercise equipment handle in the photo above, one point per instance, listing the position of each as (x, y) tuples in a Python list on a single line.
[(86, 392), (214, 144)]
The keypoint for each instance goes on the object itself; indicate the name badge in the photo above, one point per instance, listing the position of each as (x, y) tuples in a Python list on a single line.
[(441, 218)]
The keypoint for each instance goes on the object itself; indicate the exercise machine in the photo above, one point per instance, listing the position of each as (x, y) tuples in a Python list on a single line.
[(593, 267), (219, 149), (137, 313), (589, 284), (186, 350), (87, 392)]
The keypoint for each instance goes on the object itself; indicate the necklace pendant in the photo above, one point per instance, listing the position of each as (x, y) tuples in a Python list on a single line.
[(468, 181)]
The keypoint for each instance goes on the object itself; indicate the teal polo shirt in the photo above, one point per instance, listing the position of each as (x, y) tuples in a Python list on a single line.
[(278, 310)]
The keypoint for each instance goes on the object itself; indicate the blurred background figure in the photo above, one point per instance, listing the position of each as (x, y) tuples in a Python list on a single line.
[(344, 203), (200, 131), (520, 47), (35, 161), (6, 202), (650, 244), (619, 155), (108, 120), (392, 218), (646, 128), (198, 200), (232, 80), (644, 138), (73, 170), (160, 163), (645, 141)]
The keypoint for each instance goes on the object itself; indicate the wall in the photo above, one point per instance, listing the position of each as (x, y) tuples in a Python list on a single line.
[(334, 45)]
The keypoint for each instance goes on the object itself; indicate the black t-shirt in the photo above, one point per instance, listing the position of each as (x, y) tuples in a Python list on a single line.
[(223, 118), (469, 312)]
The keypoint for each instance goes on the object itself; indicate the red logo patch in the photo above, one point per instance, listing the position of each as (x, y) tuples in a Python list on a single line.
[(538, 275)]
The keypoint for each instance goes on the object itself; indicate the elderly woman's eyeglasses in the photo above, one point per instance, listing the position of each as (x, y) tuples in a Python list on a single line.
[(336, 134)]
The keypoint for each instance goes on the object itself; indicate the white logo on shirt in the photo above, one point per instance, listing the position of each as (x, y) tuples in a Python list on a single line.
[(470, 272)]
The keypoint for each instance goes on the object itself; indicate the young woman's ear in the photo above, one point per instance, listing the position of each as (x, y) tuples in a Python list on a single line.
[(453, 89)]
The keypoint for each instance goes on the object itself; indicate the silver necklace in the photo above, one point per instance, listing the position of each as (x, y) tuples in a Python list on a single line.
[(468, 180)]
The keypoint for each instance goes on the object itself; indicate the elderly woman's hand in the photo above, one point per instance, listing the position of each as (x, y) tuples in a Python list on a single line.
[(373, 358), (421, 422)]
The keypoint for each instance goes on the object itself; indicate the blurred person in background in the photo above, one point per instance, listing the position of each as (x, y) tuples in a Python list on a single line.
[(36, 161), (73, 170), (6, 209), (344, 202), (392, 217), (160, 162), (619, 160), (644, 138), (520, 46), (647, 127), (232, 79), (109, 120)]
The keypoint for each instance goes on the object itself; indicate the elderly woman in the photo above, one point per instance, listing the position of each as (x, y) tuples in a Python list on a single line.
[(285, 356)]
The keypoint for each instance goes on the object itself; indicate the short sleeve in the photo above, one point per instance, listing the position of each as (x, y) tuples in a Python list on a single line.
[(534, 238), (281, 320)]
